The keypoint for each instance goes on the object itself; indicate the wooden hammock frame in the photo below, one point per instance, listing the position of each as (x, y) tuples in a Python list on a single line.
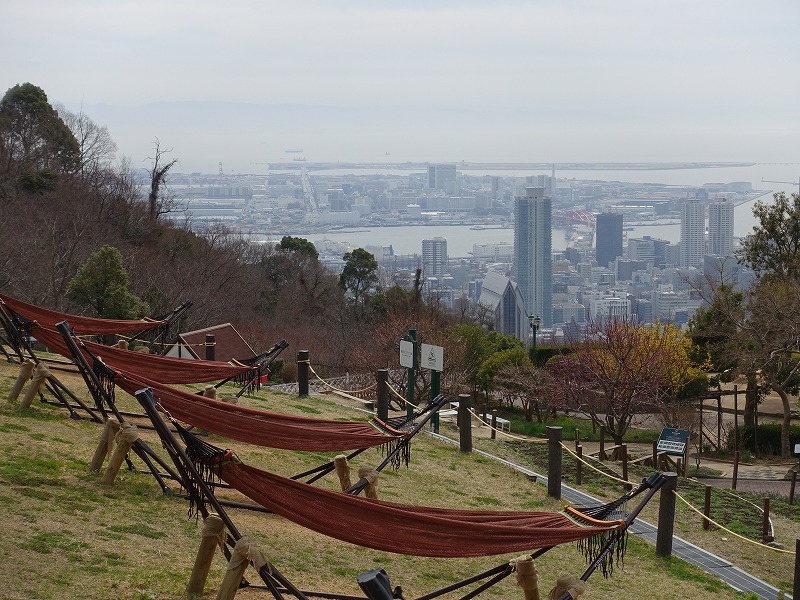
[(278, 585), (103, 398)]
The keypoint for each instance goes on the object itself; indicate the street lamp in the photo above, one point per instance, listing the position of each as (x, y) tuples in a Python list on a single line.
[(534, 323)]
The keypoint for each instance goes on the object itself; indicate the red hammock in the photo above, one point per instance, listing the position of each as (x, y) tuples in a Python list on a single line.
[(165, 369), (81, 325), (406, 529), (260, 427)]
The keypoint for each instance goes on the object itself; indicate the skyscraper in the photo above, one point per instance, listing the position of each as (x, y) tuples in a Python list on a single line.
[(693, 233), (609, 238), (533, 267), (720, 228), (434, 257)]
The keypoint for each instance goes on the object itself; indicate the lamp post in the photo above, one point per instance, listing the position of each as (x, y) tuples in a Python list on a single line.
[(534, 323)]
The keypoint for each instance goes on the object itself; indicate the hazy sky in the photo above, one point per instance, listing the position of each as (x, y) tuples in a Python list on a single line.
[(242, 81)]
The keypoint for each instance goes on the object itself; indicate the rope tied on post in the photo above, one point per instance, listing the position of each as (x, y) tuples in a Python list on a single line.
[(527, 576)]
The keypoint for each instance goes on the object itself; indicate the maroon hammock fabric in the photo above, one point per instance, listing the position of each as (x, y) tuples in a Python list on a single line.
[(81, 325), (260, 427), (164, 369), (406, 529)]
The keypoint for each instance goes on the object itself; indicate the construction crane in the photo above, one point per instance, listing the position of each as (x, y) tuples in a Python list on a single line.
[(797, 183)]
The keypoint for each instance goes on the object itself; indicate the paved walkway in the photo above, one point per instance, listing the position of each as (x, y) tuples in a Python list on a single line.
[(735, 577)]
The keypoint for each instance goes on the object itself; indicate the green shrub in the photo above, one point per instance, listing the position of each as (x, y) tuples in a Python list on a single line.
[(768, 438)]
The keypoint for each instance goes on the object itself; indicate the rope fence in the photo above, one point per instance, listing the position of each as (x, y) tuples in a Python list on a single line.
[(733, 533), (682, 499), (508, 435), (336, 389)]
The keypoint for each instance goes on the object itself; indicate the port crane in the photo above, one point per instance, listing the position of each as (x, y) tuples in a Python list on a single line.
[(797, 183)]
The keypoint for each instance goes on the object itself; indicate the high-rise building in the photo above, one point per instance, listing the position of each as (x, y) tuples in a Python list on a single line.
[(434, 257), (533, 241), (442, 177), (609, 238), (693, 233), (720, 228)]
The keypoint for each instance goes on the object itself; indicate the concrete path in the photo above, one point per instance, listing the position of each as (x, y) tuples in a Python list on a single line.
[(735, 577)]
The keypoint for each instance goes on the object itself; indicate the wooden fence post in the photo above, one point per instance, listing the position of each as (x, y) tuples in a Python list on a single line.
[(796, 588), (735, 469), (494, 423), (382, 390), (211, 347), (666, 515), (464, 422), (707, 508), (765, 534), (602, 454), (212, 535), (302, 372), (791, 488), (554, 458), (624, 450), (579, 465)]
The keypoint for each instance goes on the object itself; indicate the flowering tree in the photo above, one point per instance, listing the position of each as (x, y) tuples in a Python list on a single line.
[(623, 369)]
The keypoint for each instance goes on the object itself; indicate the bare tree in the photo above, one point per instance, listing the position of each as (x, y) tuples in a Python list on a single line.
[(158, 201)]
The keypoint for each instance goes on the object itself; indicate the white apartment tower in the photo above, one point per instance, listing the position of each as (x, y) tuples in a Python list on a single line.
[(693, 233), (720, 228), (533, 241), (434, 257)]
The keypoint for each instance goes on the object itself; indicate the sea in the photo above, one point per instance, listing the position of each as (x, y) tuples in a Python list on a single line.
[(767, 178)]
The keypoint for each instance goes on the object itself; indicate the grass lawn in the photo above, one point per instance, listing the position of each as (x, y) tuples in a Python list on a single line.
[(69, 536)]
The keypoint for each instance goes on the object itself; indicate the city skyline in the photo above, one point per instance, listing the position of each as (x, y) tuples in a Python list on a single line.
[(438, 81)]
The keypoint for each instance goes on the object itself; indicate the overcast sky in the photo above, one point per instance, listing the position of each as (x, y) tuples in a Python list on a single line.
[(242, 81)]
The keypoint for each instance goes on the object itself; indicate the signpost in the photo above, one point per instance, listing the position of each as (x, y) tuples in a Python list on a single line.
[(410, 341), (432, 357), (673, 442)]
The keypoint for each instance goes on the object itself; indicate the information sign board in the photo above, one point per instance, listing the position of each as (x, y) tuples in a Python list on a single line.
[(672, 441), (406, 354), (432, 357)]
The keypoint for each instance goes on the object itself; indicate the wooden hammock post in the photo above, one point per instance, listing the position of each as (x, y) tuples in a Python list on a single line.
[(342, 471), (244, 552), (302, 372), (464, 422), (382, 378), (40, 375), (666, 515), (527, 577), (371, 476), (211, 347), (213, 535), (105, 445), (125, 438), (554, 458), (25, 373), (210, 392)]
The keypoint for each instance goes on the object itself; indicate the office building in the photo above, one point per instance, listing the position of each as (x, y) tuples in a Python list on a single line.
[(720, 228), (608, 238), (693, 233), (502, 298), (434, 257), (533, 267), (442, 177)]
